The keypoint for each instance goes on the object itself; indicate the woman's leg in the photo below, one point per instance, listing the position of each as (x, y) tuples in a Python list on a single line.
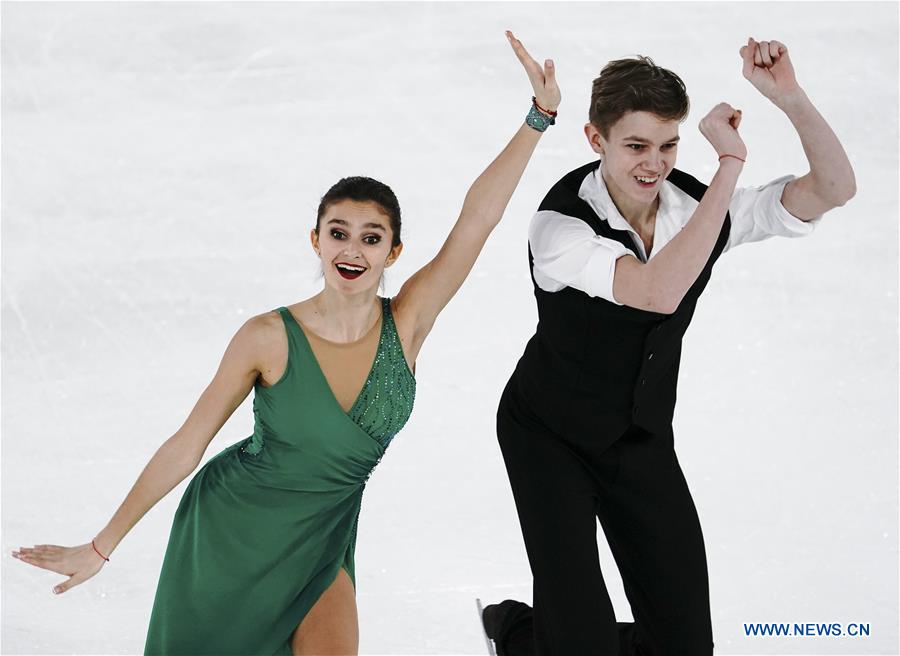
[(653, 531), (331, 627)]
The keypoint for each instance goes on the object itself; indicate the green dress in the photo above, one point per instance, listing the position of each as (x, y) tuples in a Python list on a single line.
[(264, 526)]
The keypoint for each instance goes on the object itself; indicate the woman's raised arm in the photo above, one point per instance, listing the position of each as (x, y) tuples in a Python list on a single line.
[(173, 461), (426, 293)]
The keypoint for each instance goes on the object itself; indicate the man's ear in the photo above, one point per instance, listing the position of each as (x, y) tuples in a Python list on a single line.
[(593, 137)]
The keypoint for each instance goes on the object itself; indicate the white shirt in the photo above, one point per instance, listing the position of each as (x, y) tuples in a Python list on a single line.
[(567, 252)]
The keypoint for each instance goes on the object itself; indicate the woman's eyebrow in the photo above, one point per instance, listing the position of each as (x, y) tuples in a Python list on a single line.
[(376, 226)]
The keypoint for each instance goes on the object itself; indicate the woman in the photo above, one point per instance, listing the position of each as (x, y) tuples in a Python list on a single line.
[(620, 252), (260, 557)]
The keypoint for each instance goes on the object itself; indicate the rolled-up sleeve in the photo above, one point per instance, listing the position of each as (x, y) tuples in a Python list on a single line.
[(757, 213), (567, 253)]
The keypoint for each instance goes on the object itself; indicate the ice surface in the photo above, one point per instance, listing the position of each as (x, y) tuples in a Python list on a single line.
[(161, 168)]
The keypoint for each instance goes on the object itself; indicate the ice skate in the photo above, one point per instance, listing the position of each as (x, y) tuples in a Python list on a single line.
[(484, 627)]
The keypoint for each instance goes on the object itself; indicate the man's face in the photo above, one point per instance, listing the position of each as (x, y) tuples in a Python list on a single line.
[(638, 153)]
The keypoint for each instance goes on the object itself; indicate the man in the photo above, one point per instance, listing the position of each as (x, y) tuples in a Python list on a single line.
[(620, 252)]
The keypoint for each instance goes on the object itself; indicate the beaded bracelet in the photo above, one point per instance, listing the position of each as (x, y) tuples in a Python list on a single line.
[(538, 118), (549, 112), (98, 551)]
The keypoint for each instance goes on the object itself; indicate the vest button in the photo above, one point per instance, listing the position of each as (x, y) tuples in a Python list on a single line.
[(643, 380)]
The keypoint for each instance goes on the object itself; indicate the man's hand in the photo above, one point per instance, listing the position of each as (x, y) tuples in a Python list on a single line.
[(768, 67), (720, 129)]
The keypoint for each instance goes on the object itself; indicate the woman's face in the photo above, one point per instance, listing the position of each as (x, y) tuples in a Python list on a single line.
[(354, 244), (638, 154)]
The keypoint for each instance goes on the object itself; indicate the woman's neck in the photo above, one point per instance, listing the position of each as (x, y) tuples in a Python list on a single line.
[(341, 317)]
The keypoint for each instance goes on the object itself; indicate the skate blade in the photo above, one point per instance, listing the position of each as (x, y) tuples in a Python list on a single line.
[(487, 640)]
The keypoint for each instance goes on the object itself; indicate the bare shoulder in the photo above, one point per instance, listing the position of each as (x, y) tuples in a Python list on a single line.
[(261, 329), (266, 336)]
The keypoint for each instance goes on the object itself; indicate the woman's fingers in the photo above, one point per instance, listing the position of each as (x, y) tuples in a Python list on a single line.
[(518, 48), (531, 66), (39, 550), (48, 556), (44, 558), (78, 563), (31, 558), (549, 73), (542, 78), (39, 547), (72, 581)]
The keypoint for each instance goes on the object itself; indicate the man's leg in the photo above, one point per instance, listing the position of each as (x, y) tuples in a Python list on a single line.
[(654, 534), (556, 500)]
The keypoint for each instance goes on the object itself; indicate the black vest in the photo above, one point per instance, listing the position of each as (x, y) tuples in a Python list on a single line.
[(593, 368)]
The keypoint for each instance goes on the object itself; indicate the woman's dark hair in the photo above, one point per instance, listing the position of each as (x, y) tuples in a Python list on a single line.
[(636, 85), (362, 189)]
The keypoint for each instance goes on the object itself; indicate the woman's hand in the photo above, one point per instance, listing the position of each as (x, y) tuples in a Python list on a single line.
[(768, 67), (543, 80), (720, 129), (422, 298), (78, 563)]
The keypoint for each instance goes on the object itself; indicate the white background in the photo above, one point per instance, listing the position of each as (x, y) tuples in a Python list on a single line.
[(161, 169)]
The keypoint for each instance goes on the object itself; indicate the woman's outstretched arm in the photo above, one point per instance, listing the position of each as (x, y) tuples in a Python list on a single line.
[(830, 181), (172, 463), (426, 293)]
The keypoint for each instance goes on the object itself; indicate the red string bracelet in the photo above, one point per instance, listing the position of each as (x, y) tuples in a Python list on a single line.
[(727, 155), (548, 112), (98, 551)]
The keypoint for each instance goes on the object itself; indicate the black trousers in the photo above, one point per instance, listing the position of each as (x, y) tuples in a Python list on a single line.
[(636, 489)]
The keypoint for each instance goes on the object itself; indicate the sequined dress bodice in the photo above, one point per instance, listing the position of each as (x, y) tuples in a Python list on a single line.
[(385, 402)]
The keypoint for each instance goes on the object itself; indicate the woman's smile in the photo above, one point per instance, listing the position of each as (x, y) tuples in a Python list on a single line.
[(350, 271)]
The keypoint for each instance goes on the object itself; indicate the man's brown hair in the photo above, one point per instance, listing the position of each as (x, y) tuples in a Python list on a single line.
[(636, 85)]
